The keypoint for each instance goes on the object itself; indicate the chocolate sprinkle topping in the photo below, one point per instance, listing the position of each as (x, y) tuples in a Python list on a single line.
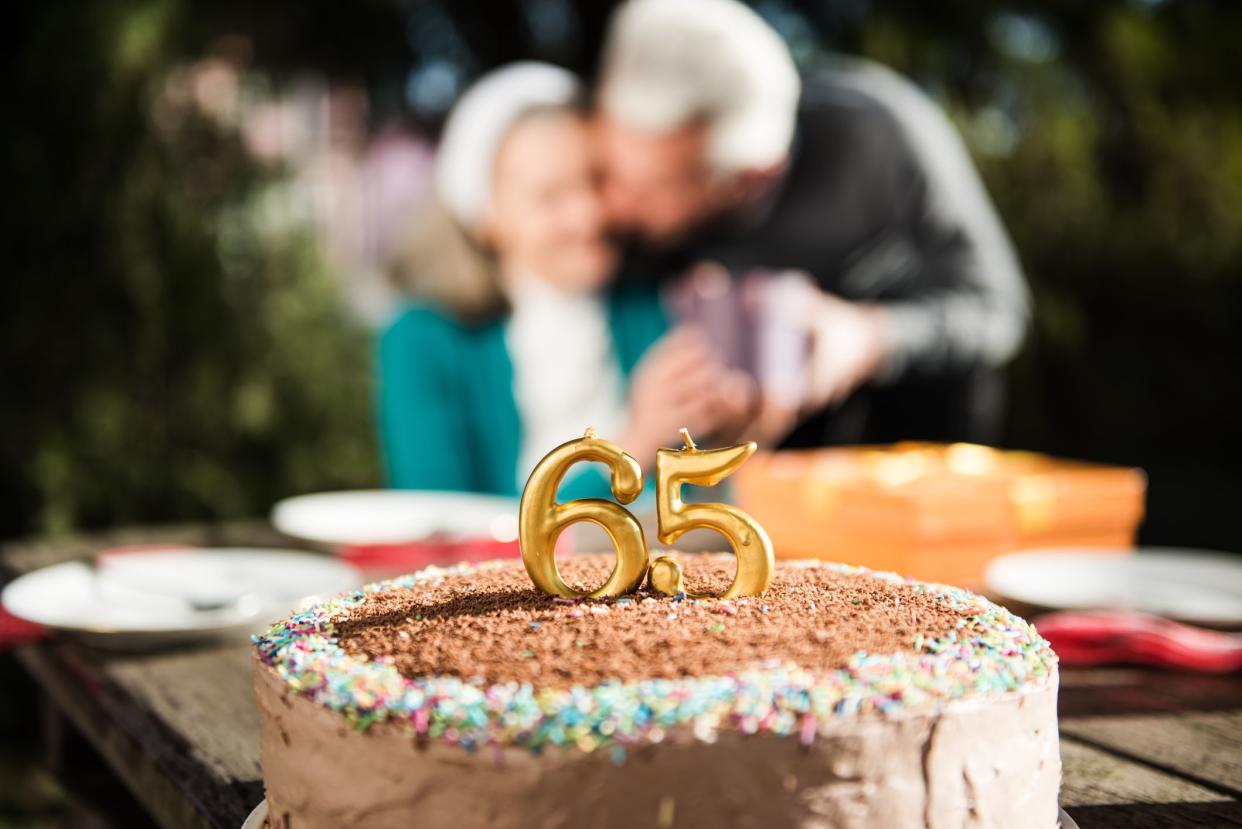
[(497, 626)]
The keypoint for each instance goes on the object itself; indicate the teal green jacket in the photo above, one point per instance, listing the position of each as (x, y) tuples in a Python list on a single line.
[(447, 416)]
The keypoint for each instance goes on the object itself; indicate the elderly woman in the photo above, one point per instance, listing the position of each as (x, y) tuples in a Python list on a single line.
[(515, 339)]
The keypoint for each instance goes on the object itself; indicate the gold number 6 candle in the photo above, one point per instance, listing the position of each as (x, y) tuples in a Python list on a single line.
[(751, 545), (541, 519)]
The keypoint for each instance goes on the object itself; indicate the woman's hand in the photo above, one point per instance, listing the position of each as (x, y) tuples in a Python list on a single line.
[(680, 383)]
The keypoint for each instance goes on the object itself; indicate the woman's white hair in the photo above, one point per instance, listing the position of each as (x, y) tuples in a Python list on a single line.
[(671, 63), (479, 123), (444, 261)]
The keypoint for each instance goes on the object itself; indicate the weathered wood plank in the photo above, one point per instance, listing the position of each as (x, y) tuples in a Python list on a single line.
[(1222, 815), (129, 757), (1112, 691), (180, 728), (1203, 747), (1100, 790), (1092, 777), (205, 697)]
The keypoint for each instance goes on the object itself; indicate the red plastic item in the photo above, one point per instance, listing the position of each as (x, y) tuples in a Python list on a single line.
[(1100, 637), (15, 632)]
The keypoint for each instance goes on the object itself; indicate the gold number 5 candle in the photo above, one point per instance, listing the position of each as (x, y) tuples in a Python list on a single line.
[(541, 519), (750, 542)]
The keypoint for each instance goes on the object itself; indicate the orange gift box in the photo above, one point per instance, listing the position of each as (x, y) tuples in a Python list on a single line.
[(938, 512)]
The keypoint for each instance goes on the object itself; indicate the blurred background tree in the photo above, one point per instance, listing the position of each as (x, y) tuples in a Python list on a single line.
[(178, 345)]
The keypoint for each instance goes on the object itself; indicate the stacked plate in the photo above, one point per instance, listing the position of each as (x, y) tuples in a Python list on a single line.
[(1193, 586), (158, 596)]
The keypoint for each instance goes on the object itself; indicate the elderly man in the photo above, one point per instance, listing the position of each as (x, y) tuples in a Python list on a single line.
[(715, 150)]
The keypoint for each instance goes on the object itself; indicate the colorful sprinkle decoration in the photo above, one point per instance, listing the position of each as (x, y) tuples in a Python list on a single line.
[(992, 651)]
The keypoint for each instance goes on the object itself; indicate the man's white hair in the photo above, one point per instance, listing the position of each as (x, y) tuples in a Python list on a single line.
[(671, 63)]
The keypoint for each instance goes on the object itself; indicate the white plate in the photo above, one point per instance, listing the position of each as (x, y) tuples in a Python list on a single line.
[(157, 597), (395, 516), (1189, 585)]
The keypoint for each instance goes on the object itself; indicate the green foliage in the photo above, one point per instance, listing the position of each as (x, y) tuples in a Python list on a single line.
[(169, 354)]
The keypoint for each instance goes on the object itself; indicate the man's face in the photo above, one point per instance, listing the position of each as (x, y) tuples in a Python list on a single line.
[(658, 186)]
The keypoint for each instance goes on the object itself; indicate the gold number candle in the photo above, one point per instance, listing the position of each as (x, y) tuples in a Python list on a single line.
[(750, 542), (541, 519)]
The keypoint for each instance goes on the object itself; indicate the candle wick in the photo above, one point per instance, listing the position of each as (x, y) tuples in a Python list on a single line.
[(689, 441)]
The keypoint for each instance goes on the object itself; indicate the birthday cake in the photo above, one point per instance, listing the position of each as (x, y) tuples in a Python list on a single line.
[(840, 697)]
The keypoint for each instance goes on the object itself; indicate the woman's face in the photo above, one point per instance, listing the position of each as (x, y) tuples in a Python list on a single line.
[(546, 218)]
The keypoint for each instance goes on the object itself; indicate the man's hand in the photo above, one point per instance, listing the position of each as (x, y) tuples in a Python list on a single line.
[(849, 345)]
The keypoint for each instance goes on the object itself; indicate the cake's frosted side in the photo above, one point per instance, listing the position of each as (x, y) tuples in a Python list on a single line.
[(993, 764)]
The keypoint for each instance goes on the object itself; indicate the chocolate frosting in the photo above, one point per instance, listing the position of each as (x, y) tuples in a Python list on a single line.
[(496, 626), (993, 765)]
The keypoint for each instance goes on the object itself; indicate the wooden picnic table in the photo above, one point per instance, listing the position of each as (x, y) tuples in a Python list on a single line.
[(179, 728)]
